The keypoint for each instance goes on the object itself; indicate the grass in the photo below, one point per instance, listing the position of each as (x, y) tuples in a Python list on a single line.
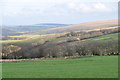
[(22, 41), (91, 67), (103, 38), (108, 37), (33, 37), (19, 41)]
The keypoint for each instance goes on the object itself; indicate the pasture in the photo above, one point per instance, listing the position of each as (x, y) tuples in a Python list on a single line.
[(105, 38), (28, 38), (89, 67)]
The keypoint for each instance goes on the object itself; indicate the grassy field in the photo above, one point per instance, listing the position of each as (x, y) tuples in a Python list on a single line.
[(103, 38), (108, 37), (90, 67), (30, 38), (33, 38)]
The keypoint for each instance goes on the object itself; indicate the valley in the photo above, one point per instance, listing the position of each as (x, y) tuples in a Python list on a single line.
[(59, 52)]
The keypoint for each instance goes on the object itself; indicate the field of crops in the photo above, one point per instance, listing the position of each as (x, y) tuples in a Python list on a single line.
[(89, 67)]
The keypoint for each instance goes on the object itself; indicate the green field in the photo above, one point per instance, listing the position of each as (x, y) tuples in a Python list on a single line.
[(89, 67), (108, 37), (32, 38)]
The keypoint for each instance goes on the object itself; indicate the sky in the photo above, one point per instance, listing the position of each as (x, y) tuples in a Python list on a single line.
[(28, 12)]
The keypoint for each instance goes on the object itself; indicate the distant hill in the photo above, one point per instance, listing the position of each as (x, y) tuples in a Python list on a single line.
[(80, 27), (36, 27), (7, 32), (48, 28)]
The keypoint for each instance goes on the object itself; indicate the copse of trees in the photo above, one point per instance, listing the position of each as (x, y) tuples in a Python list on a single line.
[(87, 48)]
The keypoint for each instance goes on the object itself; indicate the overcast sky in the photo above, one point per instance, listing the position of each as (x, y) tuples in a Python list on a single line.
[(26, 12)]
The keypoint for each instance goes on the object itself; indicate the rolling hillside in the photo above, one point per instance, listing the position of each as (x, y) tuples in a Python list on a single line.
[(35, 27), (80, 27), (68, 44), (23, 29), (8, 32), (49, 28)]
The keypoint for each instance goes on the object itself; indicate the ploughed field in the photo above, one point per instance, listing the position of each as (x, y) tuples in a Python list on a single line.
[(88, 67)]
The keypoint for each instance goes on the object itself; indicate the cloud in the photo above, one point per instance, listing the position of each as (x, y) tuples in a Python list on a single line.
[(101, 7), (57, 10), (80, 7), (39, 7), (87, 8), (72, 5)]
